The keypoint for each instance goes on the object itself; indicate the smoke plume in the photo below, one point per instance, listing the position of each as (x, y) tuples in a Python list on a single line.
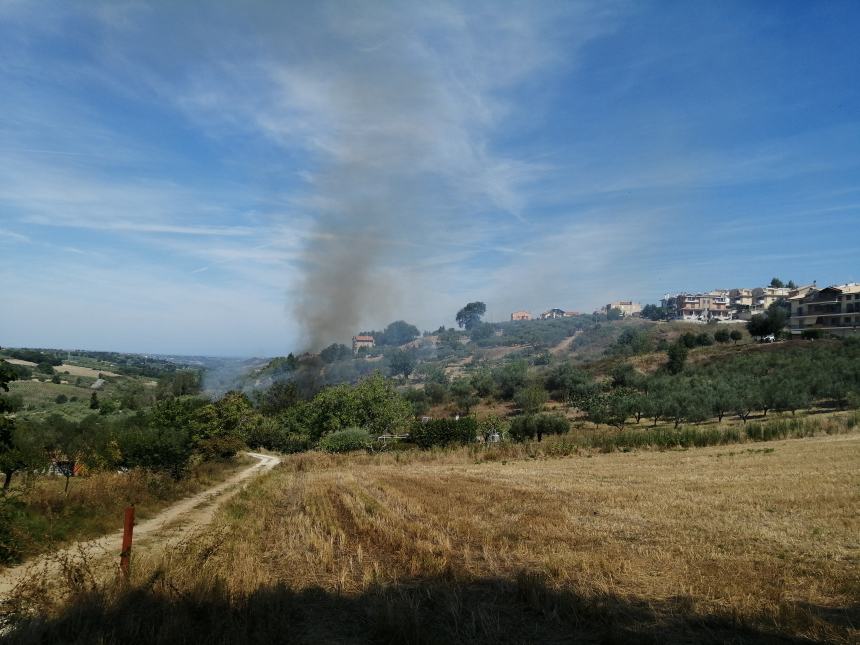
[(400, 104)]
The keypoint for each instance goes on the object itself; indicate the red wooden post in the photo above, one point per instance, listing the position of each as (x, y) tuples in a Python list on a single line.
[(127, 530)]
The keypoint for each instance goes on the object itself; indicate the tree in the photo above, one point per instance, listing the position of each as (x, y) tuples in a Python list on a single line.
[(772, 322), (481, 331), (281, 396), (11, 457), (418, 400), (483, 382), (704, 339), (401, 362), (531, 399), (463, 394), (510, 378), (220, 429), (776, 283), (677, 353), (372, 404), (470, 315), (776, 317), (45, 368), (736, 336), (567, 383), (722, 398), (722, 336), (614, 314), (688, 340), (179, 383), (61, 398), (94, 401), (791, 285), (7, 375), (758, 326), (335, 352), (653, 312), (437, 393), (399, 332)]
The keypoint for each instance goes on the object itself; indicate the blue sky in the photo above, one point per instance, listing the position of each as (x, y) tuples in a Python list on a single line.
[(250, 178)]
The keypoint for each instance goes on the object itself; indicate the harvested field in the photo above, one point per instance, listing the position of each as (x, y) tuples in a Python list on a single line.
[(740, 543), (18, 361), (77, 370)]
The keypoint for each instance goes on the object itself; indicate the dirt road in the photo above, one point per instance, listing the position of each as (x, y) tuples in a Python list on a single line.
[(171, 525), (564, 345)]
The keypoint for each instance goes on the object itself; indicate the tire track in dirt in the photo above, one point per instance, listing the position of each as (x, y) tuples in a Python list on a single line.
[(170, 525)]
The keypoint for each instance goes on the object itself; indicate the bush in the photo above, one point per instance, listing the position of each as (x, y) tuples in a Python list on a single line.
[(346, 440), (61, 398), (537, 425), (722, 336), (10, 545), (13, 403), (444, 432)]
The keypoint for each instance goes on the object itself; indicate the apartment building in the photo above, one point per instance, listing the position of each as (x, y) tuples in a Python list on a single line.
[(740, 298), (521, 315), (832, 310), (698, 307), (764, 297), (627, 307)]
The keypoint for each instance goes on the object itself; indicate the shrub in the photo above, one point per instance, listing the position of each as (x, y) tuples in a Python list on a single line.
[(443, 432), (346, 440), (537, 425), (10, 546), (722, 336), (61, 398)]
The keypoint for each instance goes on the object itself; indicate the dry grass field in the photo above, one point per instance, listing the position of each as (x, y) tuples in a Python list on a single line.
[(78, 370), (754, 542)]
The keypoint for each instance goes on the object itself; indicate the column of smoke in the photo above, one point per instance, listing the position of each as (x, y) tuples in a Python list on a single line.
[(400, 99), (370, 193)]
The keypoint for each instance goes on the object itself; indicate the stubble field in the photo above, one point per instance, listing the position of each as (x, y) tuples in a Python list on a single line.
[(740, 543)]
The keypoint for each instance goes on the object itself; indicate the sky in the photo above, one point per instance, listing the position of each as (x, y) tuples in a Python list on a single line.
[(239, 179)]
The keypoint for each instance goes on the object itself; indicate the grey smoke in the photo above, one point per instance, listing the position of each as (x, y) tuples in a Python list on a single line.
[(398, 104)]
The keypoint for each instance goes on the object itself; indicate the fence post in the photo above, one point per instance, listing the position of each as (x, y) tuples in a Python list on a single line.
[(127, 531)]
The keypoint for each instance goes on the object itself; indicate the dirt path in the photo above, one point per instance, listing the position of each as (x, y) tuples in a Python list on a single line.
[(171, 525), (564, 345)]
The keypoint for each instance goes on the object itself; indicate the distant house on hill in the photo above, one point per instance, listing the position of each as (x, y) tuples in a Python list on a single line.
[(521, 315), (553, 313), (626, 307), (98, 384), (361, 341)]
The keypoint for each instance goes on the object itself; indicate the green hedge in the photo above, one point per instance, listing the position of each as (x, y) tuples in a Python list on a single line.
[(444, 432), (346, 440)]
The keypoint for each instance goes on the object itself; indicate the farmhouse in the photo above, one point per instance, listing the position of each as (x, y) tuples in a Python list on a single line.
[(361, 341), (521, 315)]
